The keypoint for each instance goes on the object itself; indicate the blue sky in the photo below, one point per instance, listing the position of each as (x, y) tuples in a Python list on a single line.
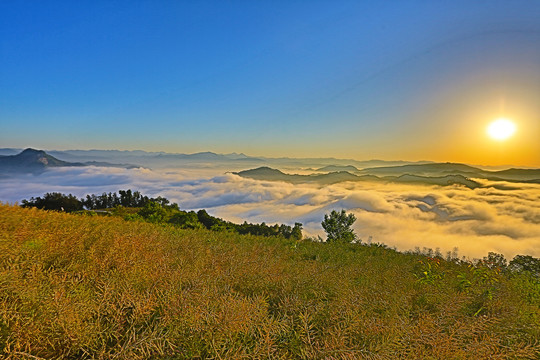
[(372, 79)]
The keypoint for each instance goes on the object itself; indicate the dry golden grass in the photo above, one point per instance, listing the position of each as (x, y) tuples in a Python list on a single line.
[(75, 287)]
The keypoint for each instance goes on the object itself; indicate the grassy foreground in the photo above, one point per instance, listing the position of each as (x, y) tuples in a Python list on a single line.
[(73, 287)]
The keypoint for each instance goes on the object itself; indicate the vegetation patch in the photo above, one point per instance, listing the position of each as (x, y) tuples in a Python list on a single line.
[(100, 287)]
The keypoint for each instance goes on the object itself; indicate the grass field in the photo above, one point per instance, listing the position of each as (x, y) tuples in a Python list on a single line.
[(75, 286)]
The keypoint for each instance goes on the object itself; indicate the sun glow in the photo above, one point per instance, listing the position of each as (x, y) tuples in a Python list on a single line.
[(501, 129)]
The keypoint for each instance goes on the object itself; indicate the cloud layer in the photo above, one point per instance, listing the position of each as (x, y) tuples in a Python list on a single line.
[(500, 217)]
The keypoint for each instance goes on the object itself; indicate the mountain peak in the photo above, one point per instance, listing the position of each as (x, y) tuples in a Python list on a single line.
[(37, 157), (30, 151), (31, 159)]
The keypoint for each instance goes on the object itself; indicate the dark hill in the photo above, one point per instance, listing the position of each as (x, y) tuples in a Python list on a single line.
[(32, 160), (518, 174), (269, 174), (265, 173), (446, 169), (37, 161)]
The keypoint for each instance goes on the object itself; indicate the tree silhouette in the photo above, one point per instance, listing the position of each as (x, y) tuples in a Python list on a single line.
[(338, 226)]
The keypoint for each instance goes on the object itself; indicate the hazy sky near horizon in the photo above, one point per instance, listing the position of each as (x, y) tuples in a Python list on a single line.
[(374, 79)]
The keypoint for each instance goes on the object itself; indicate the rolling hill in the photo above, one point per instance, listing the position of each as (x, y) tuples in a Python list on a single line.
[(435, 169), (442, 169), (269, 174)]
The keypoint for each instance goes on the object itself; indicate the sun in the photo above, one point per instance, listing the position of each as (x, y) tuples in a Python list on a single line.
[(501, 129)]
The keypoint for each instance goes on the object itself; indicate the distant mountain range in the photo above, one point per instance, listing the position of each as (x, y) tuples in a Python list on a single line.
[(433, 174), (441, 169), (36, 161), (334, 168), (268, 174), (163, 159), (208, 156), (324, 170)]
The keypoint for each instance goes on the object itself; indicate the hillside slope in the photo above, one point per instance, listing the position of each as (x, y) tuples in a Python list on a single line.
[(32, 160), (36, 161), (74, 286)]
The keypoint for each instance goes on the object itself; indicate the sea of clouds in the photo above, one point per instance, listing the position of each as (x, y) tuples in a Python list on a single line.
[(504, 218)]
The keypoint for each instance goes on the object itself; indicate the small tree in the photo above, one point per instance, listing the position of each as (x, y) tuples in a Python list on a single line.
[(494, 260), (296, 232), (338, 226), (525, 263)]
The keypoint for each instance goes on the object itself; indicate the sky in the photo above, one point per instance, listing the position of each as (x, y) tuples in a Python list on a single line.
[(412, 80)]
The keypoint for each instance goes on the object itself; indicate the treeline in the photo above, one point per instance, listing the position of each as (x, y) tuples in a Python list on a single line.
[(69, 203), (520, 264), (132, 205), (126, 198)]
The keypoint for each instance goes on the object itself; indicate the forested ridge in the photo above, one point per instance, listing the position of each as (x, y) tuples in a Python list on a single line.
[(132, 205)]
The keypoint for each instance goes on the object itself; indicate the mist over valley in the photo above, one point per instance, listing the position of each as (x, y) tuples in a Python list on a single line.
[(404, 205)]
